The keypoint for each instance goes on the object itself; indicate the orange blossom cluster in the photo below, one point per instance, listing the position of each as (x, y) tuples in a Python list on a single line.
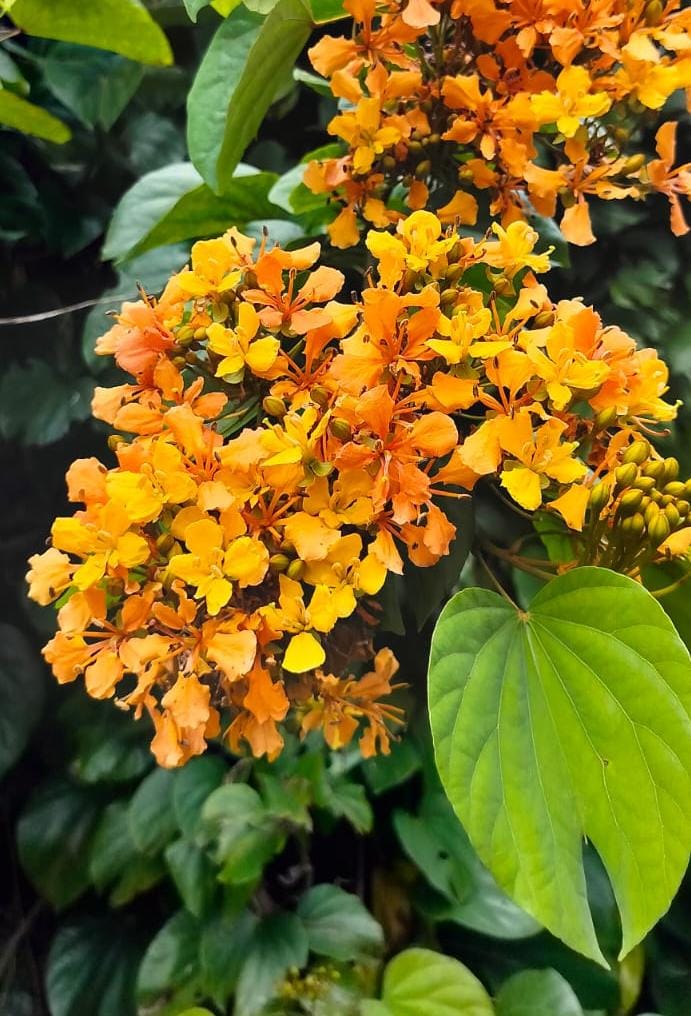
[(279, 452), (529, 103)]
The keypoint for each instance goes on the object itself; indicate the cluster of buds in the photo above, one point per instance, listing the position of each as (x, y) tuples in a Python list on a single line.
[(525, 106), (279, 453), (638, 512)]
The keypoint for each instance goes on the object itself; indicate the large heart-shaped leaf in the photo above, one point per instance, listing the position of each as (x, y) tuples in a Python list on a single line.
[(564, 722), (537, 993)]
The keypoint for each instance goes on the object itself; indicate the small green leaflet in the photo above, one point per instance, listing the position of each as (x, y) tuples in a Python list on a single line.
[(569, 721)]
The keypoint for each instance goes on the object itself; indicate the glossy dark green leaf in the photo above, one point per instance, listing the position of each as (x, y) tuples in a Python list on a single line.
[(236, 83), (223, 946), (171, 959), (566, 721), (193, 874), (328, 10), (244, 836), (93, 84), (37, 405), (384, 772), (91, 968), (279, 942), (112, 848), (53, 836), (338, 924), (192, 785), (122, 26), (151, 815), (22, 687)]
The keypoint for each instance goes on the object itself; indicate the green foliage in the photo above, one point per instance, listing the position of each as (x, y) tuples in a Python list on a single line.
[(537, 993), (123, 26), (96, 86), (419, 982), (241, 74), (565, 722), (19, 669), (24, 116)]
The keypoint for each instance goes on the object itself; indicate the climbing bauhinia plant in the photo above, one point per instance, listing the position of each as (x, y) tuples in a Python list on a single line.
[(284, 452)]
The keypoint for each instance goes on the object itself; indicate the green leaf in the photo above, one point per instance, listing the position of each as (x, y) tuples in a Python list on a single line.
[(10, 73), (93, 84), (173, 204), (328, 10), (568, 721), (676, 603), (349, 800), (171, 958), (112, 847), (222, 951), (193, 784), (22, 686), (427, 588), (37, 405), (151, 815), (278, 942), (91, 968), (537, 993), (123, 26), (419, 982), (193, 875), (234, 86), (383, 772), (22, 115), (53, 836), (338, 924), (438, 845), (245, 836)]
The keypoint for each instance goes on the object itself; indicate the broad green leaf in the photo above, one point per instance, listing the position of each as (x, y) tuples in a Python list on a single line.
[(193, 874), (122, 26), (234, 86), (24, 116), (419, 982), (338, 924), (348, 800), (193, 784), (173, 204), (170, 959), (244, 835), (95, 85), (22, 685), (10, 74), (112, 848), (222, 951), (151, 815), (38, 405), (383, 772), (438, 845), (53, 835), (537, 993), (564, 722), (91, 968), (279, 942)]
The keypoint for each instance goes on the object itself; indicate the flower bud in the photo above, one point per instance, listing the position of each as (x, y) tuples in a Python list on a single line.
[(219, 312), (274, 406), (295, 569), (672, 515), (651, 512), (341, 429), (605, 418), (423, 169), (683, 507), (671, 468), (633, 525), (279, 562), (637, 452), (654, 468), (676, 488), (544, 319), (502, 286), (320, 395), (320, 468), (659, 530), (646, 483), (653, 13), (630, 502), (626, 475), (199, 334), (448, 297), (633, 164), (184, 335), (599, 496)]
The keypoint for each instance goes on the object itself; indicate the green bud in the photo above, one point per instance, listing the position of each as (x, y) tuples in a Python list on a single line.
[(626, 475), (630, 502), (637, 452), (676, 488), (671, 468), (673, 515), (341, 429), (646, 483), (279, 562), (274, 406), (659, 530), (295, 569)]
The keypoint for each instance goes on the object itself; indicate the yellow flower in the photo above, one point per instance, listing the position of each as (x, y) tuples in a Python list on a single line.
[(513, 250), (49, 575), (103, 539), (366, 133), (417, 247), (536, 458), (239, 348), (304, 651), (571, 103), (216, 264)]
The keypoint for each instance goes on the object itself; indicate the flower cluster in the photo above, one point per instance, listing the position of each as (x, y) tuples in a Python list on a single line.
[(526, 105), (280, 452)]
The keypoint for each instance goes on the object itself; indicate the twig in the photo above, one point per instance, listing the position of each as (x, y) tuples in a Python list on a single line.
[(27, 319)]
